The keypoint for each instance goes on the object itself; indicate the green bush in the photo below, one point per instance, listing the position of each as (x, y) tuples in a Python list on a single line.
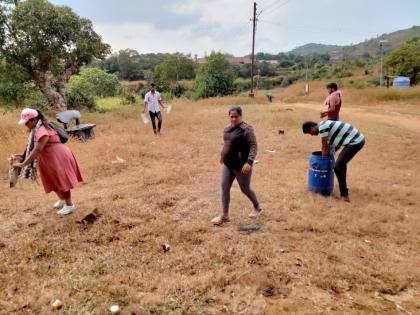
[(90, 83), (191, 95), (80, 94), (290, 79), (105, 84), (35, 99), (242, 85), (166, 96)]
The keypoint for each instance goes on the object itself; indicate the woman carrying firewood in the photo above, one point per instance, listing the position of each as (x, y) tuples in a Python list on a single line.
[(57, 165)]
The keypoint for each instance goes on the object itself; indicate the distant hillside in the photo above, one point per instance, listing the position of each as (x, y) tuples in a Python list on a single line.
[(313, 48), (370, 46)]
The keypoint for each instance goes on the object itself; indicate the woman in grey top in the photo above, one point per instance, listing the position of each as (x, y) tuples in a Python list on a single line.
[(238, 155)]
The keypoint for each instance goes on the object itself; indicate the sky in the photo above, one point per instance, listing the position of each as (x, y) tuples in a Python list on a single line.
[(199, 27)]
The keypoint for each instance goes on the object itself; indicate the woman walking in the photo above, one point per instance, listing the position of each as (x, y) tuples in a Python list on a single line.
[(57, 165), (238, 155)]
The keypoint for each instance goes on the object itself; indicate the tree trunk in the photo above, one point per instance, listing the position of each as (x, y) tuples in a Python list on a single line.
[(54, 98), (52, 94)]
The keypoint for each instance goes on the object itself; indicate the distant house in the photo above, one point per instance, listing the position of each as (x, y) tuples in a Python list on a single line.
[(233, 60), (273, 62)]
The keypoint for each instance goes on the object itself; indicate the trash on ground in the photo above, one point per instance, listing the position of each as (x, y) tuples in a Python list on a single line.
[(114, 309), (248, 229), (256, 161), (89, 218), (281, 132), (166, 247), (118, 160), (57, 304), (271, 151)]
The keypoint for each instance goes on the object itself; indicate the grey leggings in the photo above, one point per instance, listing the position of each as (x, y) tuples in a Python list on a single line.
[(244, 181)]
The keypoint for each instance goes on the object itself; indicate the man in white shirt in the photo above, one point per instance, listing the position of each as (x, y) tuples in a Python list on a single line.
[(153, 101)]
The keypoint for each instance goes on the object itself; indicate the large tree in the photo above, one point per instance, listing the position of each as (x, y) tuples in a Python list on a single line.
[(215, 77), (176, 67), (406, 60), (49, 43)]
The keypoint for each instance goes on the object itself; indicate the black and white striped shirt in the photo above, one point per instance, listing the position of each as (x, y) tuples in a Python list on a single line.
[(339, 133)]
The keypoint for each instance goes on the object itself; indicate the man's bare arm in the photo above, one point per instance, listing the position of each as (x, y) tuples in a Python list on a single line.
[(325, 146)]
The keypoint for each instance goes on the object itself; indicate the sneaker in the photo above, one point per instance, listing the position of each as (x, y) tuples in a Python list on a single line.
[(255, 213), (59, 204), (220, 219), (66, 210)]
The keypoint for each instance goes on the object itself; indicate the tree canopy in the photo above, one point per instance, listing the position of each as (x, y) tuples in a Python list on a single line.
[(406, 60), (174, 68), (48, 43), (215, 78)]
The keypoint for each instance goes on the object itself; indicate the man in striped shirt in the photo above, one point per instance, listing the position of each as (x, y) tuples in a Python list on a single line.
[(334, 135)]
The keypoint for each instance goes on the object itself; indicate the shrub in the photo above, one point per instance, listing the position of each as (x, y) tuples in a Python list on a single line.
[(242, 85), (290, 79), (80, 94), (105, 84)]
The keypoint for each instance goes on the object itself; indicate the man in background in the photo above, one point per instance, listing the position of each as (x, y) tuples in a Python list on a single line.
[(333, 101), (153, 102)]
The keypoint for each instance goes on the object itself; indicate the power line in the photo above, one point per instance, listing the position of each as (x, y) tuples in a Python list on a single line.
[(270, 5), (276, 6)]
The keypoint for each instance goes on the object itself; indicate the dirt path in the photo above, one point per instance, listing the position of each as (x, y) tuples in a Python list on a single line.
[(366, 114)]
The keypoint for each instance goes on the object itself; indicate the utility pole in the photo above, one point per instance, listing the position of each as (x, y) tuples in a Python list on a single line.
[(306, 77), (382, 66), (381, 78), (254, 22)]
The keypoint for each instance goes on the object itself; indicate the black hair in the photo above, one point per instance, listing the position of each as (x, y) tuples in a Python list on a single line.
[(237, 109), (152, 84), (42, 118), (308, 125), (332, 85)]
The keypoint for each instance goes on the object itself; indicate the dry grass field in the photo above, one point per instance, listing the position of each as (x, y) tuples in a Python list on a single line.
[(311, 255)]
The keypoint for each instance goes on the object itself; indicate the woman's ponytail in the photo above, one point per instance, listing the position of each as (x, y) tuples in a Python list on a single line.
[(42, 118)]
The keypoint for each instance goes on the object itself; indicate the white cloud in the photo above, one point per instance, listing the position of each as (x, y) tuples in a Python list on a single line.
[(199, 26)]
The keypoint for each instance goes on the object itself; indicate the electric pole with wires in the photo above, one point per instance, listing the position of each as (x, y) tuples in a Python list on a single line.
[(254, 24)]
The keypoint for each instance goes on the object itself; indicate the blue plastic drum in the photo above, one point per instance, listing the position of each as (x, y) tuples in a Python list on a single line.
[(321, 174)]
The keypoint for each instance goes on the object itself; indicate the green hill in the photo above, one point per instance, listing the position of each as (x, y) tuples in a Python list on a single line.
[(312, 48), (370, 46)]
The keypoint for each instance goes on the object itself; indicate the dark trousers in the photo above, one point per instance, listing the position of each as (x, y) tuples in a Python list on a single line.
[(340, 167), (153, 116)]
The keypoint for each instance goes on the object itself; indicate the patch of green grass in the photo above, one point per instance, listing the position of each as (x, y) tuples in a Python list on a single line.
[(108, 103)]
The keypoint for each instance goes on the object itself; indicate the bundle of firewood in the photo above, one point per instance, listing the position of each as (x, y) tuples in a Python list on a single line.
[(14, 172)]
